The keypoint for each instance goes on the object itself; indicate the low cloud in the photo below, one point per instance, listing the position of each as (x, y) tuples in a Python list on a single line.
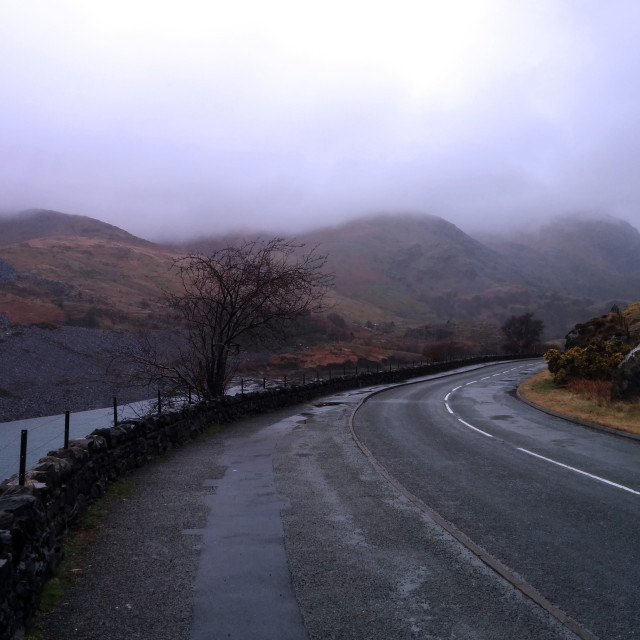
[(175, 121)]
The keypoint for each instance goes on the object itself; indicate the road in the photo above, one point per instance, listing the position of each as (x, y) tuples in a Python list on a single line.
[(556, 503)]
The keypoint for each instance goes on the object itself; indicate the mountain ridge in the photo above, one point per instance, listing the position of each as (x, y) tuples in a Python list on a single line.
[(408, 268)]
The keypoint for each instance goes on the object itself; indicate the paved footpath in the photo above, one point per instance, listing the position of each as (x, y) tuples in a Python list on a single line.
[(277, 527)]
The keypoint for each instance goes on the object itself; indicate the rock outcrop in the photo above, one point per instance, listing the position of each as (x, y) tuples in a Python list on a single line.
[(626, 379)]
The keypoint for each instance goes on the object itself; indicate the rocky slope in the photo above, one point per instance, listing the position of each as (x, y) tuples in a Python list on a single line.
[(50, 371)]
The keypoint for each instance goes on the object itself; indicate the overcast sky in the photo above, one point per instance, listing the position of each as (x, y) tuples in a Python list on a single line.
[(175, 118)]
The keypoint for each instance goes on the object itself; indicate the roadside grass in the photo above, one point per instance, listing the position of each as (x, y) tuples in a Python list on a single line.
[(583, 399), (75, 549)]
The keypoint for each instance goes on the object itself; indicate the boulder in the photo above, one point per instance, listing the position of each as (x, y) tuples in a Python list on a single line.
[(626, 379)]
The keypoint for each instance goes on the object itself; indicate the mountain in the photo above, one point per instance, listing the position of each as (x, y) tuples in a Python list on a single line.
[(598, 258), (66, 269), (409, 270), (423, 268)]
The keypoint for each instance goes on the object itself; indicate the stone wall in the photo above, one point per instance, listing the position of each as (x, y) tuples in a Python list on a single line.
[(35, 517)]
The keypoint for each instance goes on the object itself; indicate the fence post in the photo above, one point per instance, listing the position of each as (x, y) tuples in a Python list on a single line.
[(66, 429), (159, 403), (115, 411), (264, 383), (241, 386), (23, 457)]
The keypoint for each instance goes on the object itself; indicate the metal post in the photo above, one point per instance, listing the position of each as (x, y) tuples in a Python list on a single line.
[(66, 429), (115, 411), (23, 456), (159, 403), (264, 383), (241, 386)]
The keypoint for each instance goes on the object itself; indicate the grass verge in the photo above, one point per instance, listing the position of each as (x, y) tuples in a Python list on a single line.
[(585, 401), (76, 546)]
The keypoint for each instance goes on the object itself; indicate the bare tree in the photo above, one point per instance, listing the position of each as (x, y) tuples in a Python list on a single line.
[(246, 295)]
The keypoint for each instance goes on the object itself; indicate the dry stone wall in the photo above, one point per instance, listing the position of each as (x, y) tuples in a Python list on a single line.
[(34, 518)]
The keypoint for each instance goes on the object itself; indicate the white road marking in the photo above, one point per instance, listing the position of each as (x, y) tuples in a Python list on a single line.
[(535, 455), (584, 473), (466, 424)]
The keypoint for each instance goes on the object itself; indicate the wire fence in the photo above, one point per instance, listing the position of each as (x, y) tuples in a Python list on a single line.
[(51, 430)]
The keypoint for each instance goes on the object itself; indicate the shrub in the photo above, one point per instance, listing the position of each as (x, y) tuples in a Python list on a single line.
[(596, 361)]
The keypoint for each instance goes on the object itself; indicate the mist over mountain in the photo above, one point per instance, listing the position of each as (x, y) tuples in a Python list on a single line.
[(591, 257), (408, 269)]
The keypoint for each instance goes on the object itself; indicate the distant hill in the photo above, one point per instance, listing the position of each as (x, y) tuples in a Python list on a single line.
[(65, 269), (409, 270), (598, 258), (42, 223), (424, 268)]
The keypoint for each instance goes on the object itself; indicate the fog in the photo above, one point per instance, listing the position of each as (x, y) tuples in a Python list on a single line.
[(173, 119)]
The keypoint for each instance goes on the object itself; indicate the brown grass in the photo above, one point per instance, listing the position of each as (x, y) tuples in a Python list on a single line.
[(584, 399)]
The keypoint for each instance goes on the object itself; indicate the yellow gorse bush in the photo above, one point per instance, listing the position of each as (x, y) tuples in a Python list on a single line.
[(597, 361)]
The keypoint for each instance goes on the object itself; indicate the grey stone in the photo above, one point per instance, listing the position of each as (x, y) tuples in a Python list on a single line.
[(626, 379)]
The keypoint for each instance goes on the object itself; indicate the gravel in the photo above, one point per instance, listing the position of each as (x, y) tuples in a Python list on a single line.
[(49, 371)]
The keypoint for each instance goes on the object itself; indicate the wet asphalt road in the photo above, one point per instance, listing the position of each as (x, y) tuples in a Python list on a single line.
[(557, 503), (279, 527)]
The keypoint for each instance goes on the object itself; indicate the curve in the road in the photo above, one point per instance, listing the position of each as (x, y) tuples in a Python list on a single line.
[(523, 450), (491, 561)]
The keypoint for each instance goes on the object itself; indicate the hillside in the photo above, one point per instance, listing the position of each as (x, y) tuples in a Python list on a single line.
[(64, 269), (598, 258), (423, 268), (418, 267), (409, 270), (406, 287)]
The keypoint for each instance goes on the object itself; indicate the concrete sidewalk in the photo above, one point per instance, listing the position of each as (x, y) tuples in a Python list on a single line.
[(195, 552)]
